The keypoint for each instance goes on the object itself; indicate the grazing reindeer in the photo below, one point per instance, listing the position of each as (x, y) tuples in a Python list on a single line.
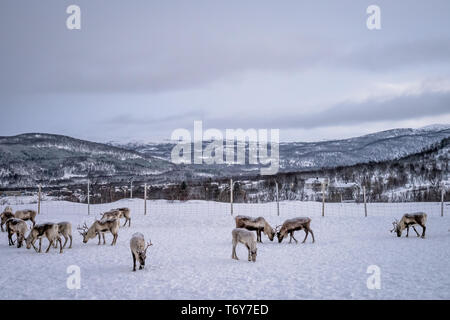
[(6, 214), (410, 220), (65, 230), (26, 215), (255, 224), (99, 228), (248, 239), (49, 230), (18, 227), (139, 250), (118, 214), (292, 225)]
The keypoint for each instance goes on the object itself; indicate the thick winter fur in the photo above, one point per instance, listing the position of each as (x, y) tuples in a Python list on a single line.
[(18, 227), (26, 215), (49, 230), (65, 230), (292, 225), (100, 227), (255, 224), (139, 250), (247, 238), (118, 214), (410, 220), (5, 215)]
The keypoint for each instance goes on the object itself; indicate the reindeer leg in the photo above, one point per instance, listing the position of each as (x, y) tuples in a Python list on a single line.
[(104, 241), (423, 232), (70, 247), (50, 244), (234, 255), (40, 244), (60, 244), (312, 235), (65, 242), (306, 235), (407, 231), (290, 237), (134, 261), (416, 231), (294, 237), (129, 222), (99, 239), (125, 223)]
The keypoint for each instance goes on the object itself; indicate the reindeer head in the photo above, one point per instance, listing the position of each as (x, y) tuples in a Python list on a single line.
[(397, 228), (142, 255), (280, 233), (84, 231)]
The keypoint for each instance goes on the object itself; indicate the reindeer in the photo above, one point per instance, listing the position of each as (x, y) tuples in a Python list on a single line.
[(139, 249), (6, 214), (255, 224), (65, 230), (118, 214), (248, 239), (26, 215), (17, 226), (49, 230), (99, 228), (410, 220), (292, 225)]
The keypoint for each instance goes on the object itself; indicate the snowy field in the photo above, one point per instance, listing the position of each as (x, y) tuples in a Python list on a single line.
[(191, 256)]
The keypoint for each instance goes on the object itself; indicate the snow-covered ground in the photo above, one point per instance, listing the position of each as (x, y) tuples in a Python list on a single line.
[(191, 256)]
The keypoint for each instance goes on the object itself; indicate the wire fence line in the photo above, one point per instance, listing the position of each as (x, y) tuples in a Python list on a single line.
[(139, 206)]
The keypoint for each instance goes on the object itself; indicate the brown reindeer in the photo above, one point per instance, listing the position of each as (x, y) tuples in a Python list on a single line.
[(49, 230), (292, 225), (26, 215), (99, 228), (118, 214), (18, 227), (65, 230), (410, 220), (255, 224), (5, 215), (139, 249)]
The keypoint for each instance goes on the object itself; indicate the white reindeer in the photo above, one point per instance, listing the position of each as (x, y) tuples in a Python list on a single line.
[(139, 249), (248, 239)]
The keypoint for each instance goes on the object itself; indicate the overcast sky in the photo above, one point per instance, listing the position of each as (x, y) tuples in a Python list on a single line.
[(137, 70)]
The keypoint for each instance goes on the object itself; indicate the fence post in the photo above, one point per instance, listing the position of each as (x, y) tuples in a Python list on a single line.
[(323, 198), (89, 197), (231, 195), (131, 189), (39, 199), (145, 199), (442, 202), (365, 202), (278, 201)]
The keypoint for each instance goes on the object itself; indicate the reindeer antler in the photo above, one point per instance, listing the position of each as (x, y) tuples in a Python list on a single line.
[(277, 229), (395, 224), (83, 229)]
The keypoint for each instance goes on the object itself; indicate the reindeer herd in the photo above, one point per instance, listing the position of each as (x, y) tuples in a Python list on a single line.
[(245, 225), (110, 223)]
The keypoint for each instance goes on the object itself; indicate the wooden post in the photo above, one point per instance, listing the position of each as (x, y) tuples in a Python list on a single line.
[(39, 199), (442, 202), (365, 202), (131, 189), (145, 199), (278, 203), (323, 199), (231, 195), (89, 198)]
